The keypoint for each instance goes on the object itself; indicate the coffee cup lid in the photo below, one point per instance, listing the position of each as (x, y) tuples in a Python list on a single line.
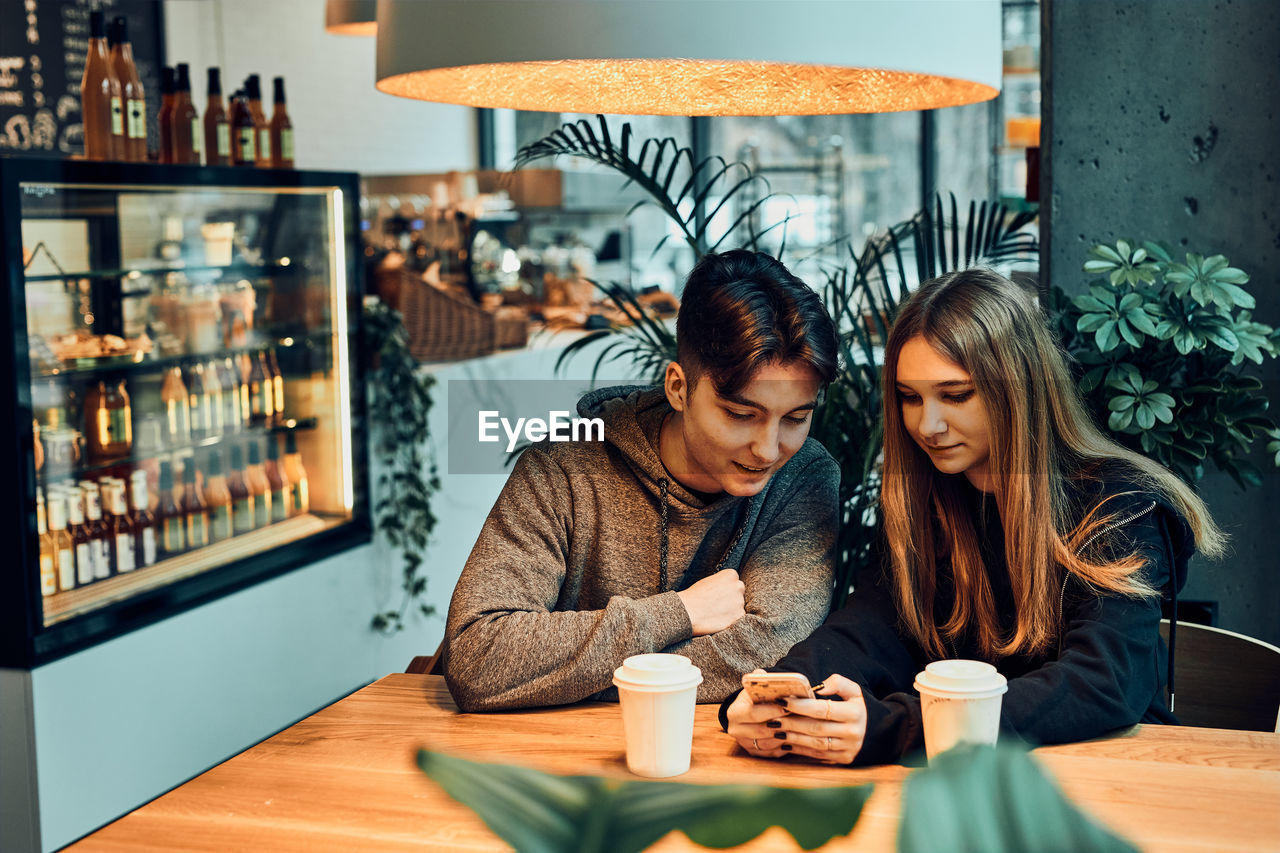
[(971, 679), (658, 671)]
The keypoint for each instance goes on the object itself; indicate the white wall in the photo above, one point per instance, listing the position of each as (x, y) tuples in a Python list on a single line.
[(341, 122)]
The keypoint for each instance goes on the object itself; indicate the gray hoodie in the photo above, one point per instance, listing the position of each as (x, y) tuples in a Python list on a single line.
[(566, 580)]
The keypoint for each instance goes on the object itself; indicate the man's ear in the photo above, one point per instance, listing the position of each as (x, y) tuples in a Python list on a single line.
[(676, 385)]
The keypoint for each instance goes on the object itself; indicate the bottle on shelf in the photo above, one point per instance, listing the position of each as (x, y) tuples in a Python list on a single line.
[(99, 533), (217, 498), (79, 536), (245, 366), (145, 543), (281, 128), (135, 97), (122, 533), (101, 101), (109, 425), (297, 474), (277, 387), (204, 406), (188, 134), (173, 535), (242, 509), (229, 384), (261, 395), (262, 127), (256, 479), (278, 482), (244, 142), (194, 509), (217, 128), (61, 541), (168, 83), (177, 408), (48, 554), (213, 387)]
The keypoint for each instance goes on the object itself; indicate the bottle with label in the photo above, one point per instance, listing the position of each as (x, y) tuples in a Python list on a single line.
[(244, 136), (109, 425), (217, 498), (202, 404), (262, 127), (213, 387), (277, 387), (217, 128), (281, 128), (256, 479), (64, 554), (101, 99), (135, 97), (173, 534), (278, 482), (177, 409), (145, 542), (242, 508), (229, 384), (297, 475), (262, 394), (99, 533), (245, 366), (168, 84), (79, 536), (122, 538), (188, 133), (194, 508), (48, 554)]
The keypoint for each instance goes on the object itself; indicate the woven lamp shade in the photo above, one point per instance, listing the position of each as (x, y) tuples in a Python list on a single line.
[(692, 57)]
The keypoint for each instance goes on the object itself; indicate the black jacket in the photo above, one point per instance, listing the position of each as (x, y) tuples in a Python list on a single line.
[(1107, 671)]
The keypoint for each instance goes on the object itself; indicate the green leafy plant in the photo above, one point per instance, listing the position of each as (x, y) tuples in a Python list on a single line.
[(399, 406), (997, 801), (970, 798), (1165, 349)]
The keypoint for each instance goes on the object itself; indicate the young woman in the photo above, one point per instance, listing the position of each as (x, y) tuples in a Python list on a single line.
[(1014, 532)]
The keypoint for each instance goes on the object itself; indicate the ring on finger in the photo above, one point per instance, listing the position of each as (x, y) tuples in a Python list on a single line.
[(756, 744), (828, 744)]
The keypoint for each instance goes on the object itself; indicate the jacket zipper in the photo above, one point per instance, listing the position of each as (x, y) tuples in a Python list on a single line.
[(1062, 596)]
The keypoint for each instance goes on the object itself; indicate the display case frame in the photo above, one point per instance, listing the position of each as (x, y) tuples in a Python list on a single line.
[(25, 640)]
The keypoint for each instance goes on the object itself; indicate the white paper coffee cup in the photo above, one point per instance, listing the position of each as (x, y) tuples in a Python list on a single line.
[(960, 703), (657, 693)]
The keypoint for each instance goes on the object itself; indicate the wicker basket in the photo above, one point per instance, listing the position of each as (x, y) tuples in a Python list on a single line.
[(442, 326)]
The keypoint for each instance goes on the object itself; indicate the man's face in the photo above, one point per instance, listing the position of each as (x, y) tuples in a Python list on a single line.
[(736, 443)]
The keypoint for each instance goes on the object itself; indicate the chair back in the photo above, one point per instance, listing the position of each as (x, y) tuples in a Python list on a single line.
[(1225, 680)]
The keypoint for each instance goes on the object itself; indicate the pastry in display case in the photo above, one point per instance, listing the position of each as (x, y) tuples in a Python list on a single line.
[(184, 381)]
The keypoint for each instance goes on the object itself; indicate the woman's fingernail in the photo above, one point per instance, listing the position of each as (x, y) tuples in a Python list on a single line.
[(782, 702), (780, 735), (787, 746), (774, 724)]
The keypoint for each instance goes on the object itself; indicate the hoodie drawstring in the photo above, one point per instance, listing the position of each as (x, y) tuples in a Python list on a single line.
[(662, 544)]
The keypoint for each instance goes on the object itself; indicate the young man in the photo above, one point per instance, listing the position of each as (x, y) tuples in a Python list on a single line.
[(704, 523)]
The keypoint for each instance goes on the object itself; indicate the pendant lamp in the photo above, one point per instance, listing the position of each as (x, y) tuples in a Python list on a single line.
[(692, 57), (351, 17)]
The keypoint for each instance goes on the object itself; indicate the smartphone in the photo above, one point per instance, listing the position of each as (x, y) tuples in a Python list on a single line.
[(771, 686)]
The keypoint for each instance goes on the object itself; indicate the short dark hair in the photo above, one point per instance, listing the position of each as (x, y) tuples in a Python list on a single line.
[(742, 310)]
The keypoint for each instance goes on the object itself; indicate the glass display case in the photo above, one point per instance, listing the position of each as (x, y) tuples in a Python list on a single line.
[(182, 384)]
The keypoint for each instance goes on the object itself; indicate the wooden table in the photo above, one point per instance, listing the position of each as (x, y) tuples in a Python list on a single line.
[(346, 779)]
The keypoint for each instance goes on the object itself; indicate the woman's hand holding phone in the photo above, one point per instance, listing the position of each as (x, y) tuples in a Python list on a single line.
[(820, 728)]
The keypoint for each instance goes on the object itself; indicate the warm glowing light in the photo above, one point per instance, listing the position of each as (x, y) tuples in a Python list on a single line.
[(351, 17), (686, 87), (694, 57)]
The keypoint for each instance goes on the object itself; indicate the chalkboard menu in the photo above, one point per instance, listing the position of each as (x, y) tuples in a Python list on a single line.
[(43, 44)]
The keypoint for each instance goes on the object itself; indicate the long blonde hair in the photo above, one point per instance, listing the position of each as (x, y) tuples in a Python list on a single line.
[(1044, 446)]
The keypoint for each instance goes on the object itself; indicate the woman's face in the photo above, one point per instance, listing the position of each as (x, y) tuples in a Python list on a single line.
[(943, 413)]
